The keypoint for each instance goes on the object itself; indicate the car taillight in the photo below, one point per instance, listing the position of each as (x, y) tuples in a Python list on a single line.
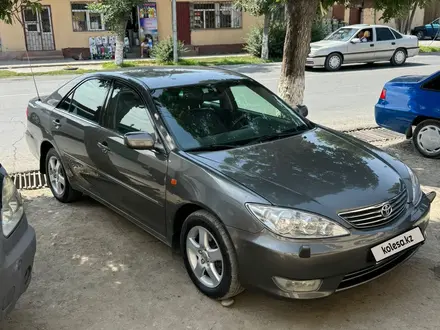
[(383, 95), (27, 112)]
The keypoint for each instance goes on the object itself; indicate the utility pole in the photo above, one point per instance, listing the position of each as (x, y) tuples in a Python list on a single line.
[(174, 10)]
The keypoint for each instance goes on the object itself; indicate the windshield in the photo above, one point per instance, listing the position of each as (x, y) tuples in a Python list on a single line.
[(342, 34), (226, 114)]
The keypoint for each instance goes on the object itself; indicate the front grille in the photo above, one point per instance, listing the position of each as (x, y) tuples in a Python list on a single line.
[(373, 216), (370, 273)]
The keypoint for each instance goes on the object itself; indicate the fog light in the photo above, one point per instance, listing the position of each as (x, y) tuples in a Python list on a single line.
[(297, 286)]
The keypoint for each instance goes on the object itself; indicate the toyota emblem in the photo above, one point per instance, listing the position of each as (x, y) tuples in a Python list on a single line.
[(386, 210)]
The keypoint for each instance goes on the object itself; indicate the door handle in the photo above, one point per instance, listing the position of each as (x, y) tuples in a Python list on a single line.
[(56, 123), (104, 147), (393, 43), (372, 45)]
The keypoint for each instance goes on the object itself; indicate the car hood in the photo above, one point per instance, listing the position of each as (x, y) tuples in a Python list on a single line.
[(326, 44), (319, 171)]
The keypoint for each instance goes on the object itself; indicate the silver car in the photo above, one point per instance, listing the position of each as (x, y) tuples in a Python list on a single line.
[(362, 43)]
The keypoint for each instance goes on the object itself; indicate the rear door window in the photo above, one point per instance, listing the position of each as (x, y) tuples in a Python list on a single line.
[(384, 34), (433, 84), (55, 98), (88, 99)]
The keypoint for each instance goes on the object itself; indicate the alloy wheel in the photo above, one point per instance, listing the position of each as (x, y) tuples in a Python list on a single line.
[(204, 256), (56, 174)]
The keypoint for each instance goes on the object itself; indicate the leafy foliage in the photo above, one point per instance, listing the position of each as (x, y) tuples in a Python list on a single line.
[(116, 12), (398, 8), (258, 7), (163, 50), (276, 41), (10, 9), (277, 36)]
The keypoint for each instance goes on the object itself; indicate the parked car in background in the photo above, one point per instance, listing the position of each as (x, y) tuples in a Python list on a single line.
[(413, 101), (17, 246), (430, 30), (213, 163), (362, 43)]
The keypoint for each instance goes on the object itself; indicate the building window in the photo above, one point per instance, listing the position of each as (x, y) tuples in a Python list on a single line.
[(214, 15), (86, 20)]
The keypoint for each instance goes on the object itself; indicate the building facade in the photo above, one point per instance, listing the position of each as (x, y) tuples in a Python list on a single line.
[(64, 28)]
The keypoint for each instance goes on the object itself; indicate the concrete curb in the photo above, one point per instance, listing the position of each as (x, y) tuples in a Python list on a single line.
[(38, 64)]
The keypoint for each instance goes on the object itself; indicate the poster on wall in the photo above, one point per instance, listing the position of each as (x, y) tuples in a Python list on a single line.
[(148, 20)]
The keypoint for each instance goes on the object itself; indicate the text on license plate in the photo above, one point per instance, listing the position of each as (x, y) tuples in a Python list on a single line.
[(398, 244)]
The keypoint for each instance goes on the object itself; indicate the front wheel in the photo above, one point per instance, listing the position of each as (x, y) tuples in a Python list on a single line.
[(427, 138), (209, 256), (420, 35), (399, 57), (333, 62)]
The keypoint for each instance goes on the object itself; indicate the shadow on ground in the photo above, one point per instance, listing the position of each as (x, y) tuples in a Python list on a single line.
[(368, 67)]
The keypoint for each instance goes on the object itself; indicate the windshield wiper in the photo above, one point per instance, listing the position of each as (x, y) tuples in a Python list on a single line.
[(212, 147), (277, 135)]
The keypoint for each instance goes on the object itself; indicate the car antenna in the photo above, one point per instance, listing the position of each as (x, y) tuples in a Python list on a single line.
[(33, 76)]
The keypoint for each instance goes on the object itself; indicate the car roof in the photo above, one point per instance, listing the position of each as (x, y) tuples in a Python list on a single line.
[(358, 26), (156, 77)]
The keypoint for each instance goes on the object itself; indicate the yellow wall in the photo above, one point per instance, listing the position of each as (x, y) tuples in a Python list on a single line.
[(205, 37), (12, 36)]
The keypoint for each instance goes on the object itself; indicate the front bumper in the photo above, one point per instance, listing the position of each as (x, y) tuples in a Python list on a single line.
[(16, 264), (315, 61), (341, 263)]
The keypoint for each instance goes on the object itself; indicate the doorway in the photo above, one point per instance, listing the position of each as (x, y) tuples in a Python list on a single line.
[(38, 29)]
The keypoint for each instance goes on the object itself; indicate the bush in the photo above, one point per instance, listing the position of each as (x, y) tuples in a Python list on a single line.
[(277, 34), (319, 31), (254, 41), (163, 50)]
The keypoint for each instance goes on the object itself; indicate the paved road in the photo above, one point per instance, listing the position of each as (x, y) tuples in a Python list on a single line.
[(342, 100)]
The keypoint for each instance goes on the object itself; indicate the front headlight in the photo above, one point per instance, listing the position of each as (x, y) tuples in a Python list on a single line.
[(295, 224), (416, 189), (12, 206)]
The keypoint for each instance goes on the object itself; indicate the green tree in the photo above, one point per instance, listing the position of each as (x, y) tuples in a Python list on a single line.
[(116, 15), (401, 10), (259, 8), (11, 9)]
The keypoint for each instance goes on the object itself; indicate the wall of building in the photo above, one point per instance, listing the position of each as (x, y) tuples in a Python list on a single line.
[(371, 16), (13, 40), (205, 37), (13, 35)]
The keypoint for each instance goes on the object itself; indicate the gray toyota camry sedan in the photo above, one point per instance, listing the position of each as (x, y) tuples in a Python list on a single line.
[(214, 164)]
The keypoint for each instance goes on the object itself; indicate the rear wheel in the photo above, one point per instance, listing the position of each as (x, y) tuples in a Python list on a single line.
[(209, 256), (57, 179), (399, 57), (427, 138), (333, 62)]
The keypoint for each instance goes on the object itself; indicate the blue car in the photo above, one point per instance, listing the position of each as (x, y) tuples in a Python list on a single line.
[(413, 101), (429, 30)]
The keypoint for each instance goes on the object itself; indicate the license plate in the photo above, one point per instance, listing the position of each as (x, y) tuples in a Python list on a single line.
[(398, 244)]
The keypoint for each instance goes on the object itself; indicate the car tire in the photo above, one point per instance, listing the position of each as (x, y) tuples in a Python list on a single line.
[(420, 35), (426, 138), (333, 62), (57, 179), (399, 57), (212, 265)]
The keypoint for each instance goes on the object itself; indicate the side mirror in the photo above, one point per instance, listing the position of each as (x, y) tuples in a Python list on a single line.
[(139, 140), (355, 40), (303, 110)]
